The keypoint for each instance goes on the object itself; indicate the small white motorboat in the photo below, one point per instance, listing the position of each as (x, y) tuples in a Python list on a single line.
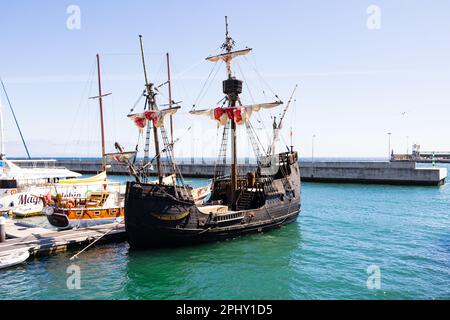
[(14, 257), (199, 194), (29, 211)]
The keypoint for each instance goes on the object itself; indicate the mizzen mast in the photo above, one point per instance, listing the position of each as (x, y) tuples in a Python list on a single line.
[(152, 105), (278, 126)]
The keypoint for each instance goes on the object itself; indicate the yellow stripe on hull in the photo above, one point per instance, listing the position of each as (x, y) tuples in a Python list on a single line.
[(171, 218)]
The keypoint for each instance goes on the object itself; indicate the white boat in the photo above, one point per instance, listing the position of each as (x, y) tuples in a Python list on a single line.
[(22, 180), (23, 199), (22, 173), (24, 184), (12, 258), (200, 194), (23, 212)]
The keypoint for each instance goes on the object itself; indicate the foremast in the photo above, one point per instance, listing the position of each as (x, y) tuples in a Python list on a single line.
[(151, 103)]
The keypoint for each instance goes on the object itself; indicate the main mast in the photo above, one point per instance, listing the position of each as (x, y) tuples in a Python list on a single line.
[(232, 87), (152, 106), (235, 113)]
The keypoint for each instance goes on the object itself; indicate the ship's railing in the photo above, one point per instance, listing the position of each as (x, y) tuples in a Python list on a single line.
[(49, 182), (221, 218), (37, 164), (34, 182), (248, 161)]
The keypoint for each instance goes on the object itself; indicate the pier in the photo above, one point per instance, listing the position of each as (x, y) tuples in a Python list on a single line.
[(424, 157), (367, 172), (41, 241), (417, 155)]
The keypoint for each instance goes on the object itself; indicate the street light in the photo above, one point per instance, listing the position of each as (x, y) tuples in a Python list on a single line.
[(407, 144), (312, 155), (389, 145)]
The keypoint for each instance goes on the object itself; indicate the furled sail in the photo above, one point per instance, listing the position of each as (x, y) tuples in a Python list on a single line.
[(157, 116), (227, 57), (121, 156), (239, 114), (101, 177)]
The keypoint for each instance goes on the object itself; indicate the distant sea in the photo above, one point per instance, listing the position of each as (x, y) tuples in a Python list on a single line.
[(211, 159)]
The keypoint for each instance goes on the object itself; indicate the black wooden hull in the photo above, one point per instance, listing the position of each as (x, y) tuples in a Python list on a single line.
[(155, 235), (164, 216), (164, 237)]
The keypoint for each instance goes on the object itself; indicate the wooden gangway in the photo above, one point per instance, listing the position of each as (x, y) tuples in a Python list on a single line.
[(41, 241)]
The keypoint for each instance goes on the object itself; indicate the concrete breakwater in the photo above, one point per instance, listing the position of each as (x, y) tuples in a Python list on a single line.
[(401, 173)]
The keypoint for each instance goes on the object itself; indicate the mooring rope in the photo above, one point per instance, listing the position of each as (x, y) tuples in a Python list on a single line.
[(96, 240)]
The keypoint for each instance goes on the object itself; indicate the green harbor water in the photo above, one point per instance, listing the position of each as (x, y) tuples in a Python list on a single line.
[(341, 231)]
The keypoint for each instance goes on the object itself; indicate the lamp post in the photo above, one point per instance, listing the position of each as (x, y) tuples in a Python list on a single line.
[(389, 145), (407, 144), (312, 154)]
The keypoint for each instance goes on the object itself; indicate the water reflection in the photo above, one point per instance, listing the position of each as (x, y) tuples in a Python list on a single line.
[(256, 266)]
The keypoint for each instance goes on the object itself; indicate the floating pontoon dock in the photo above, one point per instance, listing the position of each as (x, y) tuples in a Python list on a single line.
[(41, 241)]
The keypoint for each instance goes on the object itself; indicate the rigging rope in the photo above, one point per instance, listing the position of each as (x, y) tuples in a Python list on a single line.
[(204, 85), (175, 141), (15, 119), (246, 82), (96, 240), (257, 137), (259, 75), (137, 102), (263, 83), (210, 84), (87, 88), (177, 80)]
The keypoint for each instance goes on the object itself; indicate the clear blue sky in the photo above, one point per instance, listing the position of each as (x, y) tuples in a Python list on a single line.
[(355, 83)]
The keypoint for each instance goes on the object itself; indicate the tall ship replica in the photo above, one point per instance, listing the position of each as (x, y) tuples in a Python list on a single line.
[(164, 213)]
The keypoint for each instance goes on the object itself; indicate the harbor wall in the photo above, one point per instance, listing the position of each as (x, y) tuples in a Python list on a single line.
[(401, 173)]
